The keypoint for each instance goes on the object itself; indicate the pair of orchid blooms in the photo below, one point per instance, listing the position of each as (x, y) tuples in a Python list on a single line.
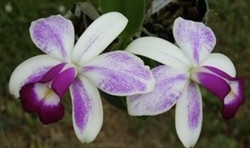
[(41, 81)]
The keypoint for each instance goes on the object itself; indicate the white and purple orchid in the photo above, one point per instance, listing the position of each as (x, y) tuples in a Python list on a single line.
[(177, 80), (42, 81)]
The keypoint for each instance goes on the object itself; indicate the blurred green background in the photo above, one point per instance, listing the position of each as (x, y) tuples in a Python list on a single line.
[(230, 21)]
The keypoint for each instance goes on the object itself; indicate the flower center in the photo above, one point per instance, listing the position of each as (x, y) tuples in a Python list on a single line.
[(193, 71), (48, 93)]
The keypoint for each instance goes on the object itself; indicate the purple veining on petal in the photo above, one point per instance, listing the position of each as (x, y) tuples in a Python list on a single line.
[(52, 73), (196, 47), (194, 105), (168, 89), (54, 35), (91, 41), (46, 36), (62, 81), (114, 82), (194, 38), (171, 95), (81, 104), (132, 64), (234, 99), (214, 84), (118, 72)]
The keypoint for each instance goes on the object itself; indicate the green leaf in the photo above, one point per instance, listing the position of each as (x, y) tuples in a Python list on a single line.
[(117, 101), (134, 10), (95, 3)]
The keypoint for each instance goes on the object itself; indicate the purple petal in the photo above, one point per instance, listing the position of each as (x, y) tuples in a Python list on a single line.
[(119, 73), (54, 35), (51, 113), (169, 86), (218, 72), (234, 99), (52, 73), (62, 81), (30, 71), (87, 109), (230, 90), (188, 116), (215, 84), (29, 99), (194, 38), (42, 100)]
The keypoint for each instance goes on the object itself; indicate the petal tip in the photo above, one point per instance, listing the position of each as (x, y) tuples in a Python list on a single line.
[(234, 100)]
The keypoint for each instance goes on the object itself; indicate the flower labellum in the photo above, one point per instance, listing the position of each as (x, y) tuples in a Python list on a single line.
[(184, 67), (41, 81)]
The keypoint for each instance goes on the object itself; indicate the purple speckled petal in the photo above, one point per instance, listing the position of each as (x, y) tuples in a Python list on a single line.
[(188, 116), (87, 109), (220, 62), (215, 84), (194, 38), (98, 36), (234, 99), (169, 87), (30, 71), (119, 73), (54, 35), (42, 100), (62, 81)]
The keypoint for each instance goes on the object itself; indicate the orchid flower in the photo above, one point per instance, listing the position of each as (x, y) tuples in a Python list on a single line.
[(42, 80), (177, 80)]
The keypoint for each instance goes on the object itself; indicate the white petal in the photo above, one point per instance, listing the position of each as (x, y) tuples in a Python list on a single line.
[(87, 109), (168, 90), (221, 62), (160, 50), (188, 116), (98, 36), (31, 70)]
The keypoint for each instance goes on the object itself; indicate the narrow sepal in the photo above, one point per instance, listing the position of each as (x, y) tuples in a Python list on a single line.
[(87, 112), (188, 115), (98, 36)]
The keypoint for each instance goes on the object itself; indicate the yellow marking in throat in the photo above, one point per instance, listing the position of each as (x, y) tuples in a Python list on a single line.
[(48, 93)]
